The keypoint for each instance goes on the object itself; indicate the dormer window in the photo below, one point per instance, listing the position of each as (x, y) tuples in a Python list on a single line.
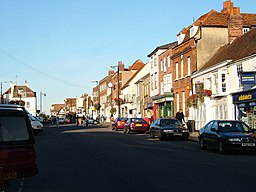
[(246, 29), (193, 31), (181, 38)]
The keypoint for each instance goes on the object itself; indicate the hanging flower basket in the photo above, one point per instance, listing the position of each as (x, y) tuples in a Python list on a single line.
[(118, 102), (194, 99), (113, 111)]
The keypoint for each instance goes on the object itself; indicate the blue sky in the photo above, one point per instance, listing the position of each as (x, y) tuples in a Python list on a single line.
[(59, 46)]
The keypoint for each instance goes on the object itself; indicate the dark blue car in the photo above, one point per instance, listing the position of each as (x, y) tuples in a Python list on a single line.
[(225, 135)]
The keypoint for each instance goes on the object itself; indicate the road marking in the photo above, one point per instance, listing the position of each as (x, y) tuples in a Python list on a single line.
[(21, 184)]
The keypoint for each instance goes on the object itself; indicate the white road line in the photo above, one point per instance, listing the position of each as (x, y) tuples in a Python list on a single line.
[(21, 184)]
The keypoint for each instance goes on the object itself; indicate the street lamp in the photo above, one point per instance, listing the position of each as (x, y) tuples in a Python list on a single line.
[(1, 101), (97, 82), (118, 87), (41, 101)]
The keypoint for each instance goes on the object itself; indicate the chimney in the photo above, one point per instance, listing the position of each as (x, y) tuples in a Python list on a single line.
[(235, 21), (26, 83), (121, 66), (228, 7), (111, 72)]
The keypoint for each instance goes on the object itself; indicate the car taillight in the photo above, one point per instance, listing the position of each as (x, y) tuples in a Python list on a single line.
[(132, 124), (145, 124)]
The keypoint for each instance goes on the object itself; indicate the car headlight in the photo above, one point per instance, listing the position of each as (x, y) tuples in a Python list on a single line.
[(168, 131), (234, 139), (185, 130)]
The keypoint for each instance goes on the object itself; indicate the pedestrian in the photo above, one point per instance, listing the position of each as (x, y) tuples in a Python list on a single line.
[(77, 121), (180, 116), (84, 121), (102, 118)]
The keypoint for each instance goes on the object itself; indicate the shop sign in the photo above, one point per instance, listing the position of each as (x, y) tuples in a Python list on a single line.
[(248, 78), (244, 97)]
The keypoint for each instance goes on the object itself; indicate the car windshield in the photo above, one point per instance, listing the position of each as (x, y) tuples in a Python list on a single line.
[(13, 129), (165, 122), (233, 126), (122, 119)]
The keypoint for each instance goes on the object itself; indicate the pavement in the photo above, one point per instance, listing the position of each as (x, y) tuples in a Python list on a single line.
[(194, 136)]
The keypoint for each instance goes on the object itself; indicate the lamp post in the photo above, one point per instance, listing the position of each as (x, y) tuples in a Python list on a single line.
[(1, 101), (41, 101), (97, 82), (110, 85), (118, 88)]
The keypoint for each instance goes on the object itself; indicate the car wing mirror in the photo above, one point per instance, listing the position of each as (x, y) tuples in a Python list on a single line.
[(213, 129)]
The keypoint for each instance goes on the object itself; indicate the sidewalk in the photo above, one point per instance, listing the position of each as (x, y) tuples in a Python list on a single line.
[(194, 136)]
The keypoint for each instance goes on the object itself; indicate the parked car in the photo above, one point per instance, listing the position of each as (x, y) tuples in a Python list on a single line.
[(136, 125), (17, 143), (225, 135), (61, 120), (166, 128), (119, 123), (92, 121), (36, 125)]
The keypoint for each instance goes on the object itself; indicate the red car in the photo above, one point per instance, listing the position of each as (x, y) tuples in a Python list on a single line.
[(18, 157), (136, 125), (119, 123)]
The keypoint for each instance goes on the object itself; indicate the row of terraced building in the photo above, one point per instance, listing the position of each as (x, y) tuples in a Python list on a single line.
[(209, 73)]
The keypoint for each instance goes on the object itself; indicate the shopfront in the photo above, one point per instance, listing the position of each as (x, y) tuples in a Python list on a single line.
[(245, 106), (163, 106)]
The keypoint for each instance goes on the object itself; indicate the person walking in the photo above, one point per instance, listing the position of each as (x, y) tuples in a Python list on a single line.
[(77, 121), (180, 116)]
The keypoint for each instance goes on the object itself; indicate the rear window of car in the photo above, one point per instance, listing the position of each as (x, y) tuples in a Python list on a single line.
[(140, 120), (170, 122), (13, 128)]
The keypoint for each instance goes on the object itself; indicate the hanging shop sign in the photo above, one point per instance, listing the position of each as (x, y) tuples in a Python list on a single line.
[(247, 78)]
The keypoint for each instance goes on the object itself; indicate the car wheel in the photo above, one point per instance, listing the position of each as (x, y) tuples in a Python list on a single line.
[(221, 148), (202, 144), (161, 137)]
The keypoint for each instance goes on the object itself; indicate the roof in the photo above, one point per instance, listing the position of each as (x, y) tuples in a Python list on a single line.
[(137, 65), (241, 47), (166, 46), (57, 107), (26, 90)]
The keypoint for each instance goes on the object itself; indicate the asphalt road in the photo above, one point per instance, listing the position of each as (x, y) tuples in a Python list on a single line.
[(74, 159)]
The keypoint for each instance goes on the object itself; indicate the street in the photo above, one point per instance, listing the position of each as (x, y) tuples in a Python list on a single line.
[(77, 159)]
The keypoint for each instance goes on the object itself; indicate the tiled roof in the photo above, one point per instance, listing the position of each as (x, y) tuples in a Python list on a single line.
[(26, 90), (241, 47), (214, 18), (166, 46), (57, 107), (138, 64)]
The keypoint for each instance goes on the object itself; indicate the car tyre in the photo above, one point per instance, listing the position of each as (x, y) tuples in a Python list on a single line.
[(161, 137), (202, 144)]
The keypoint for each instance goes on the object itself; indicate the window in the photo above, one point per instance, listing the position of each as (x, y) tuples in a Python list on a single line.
[(177, 70), (164, 64), (155, 78), (189, 69), (245, 30), (161, 65), (177, 101), (223, 82), (209, 83), (152, 82), (169, 61), (239, 69), (216, 87), (183, 100), (182, 68)]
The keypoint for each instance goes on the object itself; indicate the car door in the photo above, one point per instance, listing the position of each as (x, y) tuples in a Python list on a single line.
[(154, 127), (206, 133), (213, 134)]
